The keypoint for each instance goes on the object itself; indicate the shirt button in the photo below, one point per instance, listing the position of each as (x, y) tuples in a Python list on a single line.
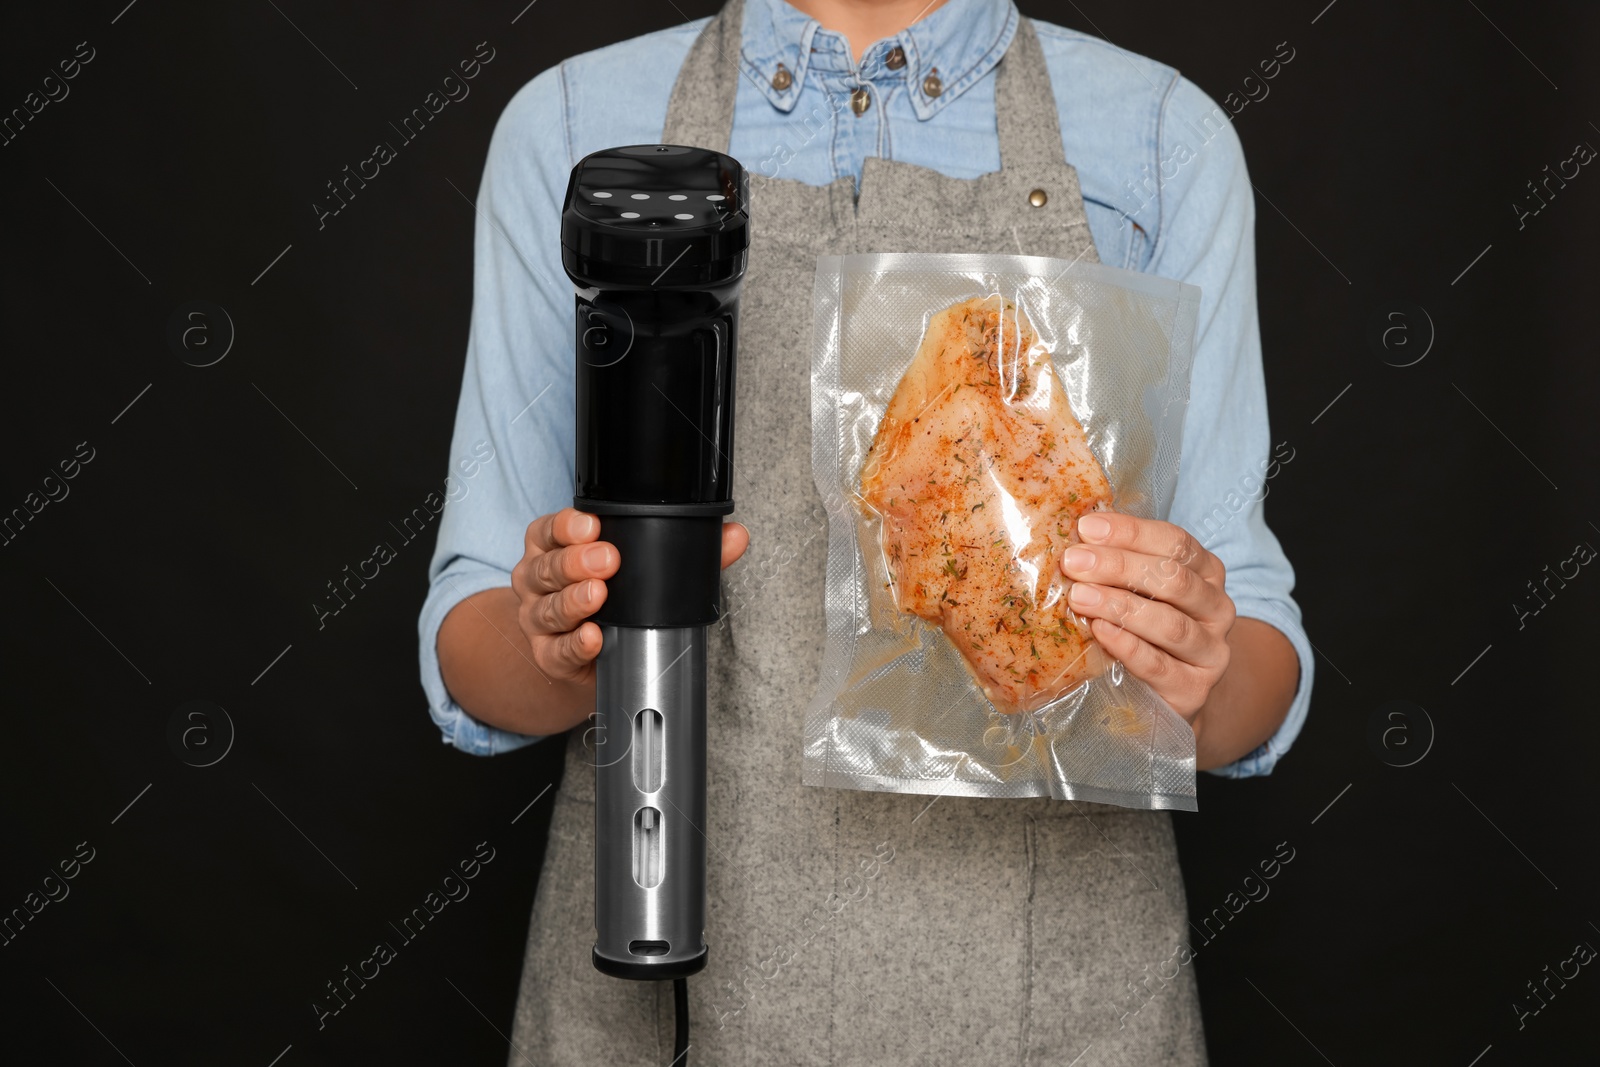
[(1037, 198), (896, 58), (781, 78), (931, 85), (860, 100)]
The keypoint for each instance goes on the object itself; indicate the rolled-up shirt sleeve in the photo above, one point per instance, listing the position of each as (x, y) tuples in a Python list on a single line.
[(1207, 237), (511, 450)]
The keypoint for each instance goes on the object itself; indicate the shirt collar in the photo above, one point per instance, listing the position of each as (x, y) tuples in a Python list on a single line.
[(960, 42)]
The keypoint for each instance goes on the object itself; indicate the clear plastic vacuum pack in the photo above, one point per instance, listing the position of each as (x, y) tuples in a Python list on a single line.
[(967, 410)]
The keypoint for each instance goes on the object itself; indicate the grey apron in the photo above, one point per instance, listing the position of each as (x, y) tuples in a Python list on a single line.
[(850, 928)]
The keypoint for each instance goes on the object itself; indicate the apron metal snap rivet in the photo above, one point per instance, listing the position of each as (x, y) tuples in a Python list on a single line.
[(1038, 197), (931, 85), (781, 78), (860, 100)]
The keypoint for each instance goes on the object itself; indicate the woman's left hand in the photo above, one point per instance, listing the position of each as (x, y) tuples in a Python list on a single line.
[(1155, 600)]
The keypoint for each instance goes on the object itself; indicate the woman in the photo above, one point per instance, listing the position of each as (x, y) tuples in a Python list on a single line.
[(850, 927)]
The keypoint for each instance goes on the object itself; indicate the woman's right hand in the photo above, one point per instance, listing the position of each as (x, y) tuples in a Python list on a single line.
[(561, 582), (542, 682)]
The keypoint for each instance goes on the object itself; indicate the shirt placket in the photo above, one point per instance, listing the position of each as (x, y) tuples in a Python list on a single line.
[(857, 129), (884, 67)]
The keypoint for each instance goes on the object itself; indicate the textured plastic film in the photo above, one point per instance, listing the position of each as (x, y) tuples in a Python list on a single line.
[(966, 409)]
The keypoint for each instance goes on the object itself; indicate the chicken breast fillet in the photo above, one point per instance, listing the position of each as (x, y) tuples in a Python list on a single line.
[(978, 473)]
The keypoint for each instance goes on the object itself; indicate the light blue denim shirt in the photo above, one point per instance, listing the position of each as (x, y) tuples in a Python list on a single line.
[(1163, 179)]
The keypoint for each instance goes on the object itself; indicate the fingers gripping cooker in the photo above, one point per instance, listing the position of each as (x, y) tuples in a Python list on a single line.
[(654, 238)]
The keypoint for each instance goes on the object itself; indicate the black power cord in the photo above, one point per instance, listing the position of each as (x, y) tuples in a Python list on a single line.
[(680, 1039)]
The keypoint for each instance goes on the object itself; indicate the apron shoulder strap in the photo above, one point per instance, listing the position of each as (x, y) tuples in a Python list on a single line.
[(700, 110), (1025, 105)]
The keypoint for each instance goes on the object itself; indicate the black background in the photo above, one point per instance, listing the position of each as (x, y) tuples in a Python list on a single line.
[(190, 549)]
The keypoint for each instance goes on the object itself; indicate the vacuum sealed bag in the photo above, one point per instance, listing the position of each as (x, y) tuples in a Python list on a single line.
[(966, 410)]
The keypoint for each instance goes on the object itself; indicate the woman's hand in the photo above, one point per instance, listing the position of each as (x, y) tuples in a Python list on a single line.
[(522, 658), (560, 582), (1155, 600)]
